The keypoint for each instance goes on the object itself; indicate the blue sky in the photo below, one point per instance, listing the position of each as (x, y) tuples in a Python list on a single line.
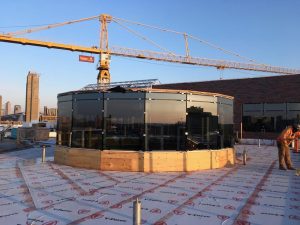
[(264, 30)]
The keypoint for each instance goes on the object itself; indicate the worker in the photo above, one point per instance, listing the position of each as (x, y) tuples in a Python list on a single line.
[(283, 141)]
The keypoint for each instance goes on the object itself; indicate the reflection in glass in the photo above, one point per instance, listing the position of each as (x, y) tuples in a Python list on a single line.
[(144, 121), (293, 113), (165, 122), (64, 120), (202, 126), (225, 112), (124, 124), (272, 118)]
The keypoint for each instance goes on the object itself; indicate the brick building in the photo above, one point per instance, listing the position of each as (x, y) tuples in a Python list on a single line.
[(263, 106)]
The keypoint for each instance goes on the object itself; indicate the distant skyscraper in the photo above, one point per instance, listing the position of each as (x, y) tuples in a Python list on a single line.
[(17, 109), (0, 106), (50, 111), (7, 108), (32, 97), (45, 110)]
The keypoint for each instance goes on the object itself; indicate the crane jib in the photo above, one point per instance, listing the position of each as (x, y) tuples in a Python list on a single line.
[(151, 55)]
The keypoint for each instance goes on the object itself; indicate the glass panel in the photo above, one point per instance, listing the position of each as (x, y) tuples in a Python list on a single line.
[(201, 98), (64, 120), (225, 111), (127, 95), (87, 114), (271, 119), (93, 139), (166, 96), (87, 121), (202, 125), (293, 113), (208, 103), (165, 121), (252, 109), (253, 117), (78, 138), (87, 139), (124, 124), (64, 97), (91, 96), (274, 119), (165, 128), (271, 107)]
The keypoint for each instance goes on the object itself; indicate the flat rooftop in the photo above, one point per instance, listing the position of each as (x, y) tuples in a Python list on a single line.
[(32, 192)]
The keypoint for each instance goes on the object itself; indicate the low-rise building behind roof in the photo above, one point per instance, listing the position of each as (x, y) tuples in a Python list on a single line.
[(263, 106)]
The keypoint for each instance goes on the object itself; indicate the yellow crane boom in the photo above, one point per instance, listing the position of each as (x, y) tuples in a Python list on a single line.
[(104, 51), (151, 55)]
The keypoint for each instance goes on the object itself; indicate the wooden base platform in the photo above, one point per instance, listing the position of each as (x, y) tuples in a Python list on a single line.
[(154, 161)]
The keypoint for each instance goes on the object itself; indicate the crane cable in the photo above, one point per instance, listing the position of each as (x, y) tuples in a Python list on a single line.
[(143, 37), (115, 19), (190, 36), (27, 31)]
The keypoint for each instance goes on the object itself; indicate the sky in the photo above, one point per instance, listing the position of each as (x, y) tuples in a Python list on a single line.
[(264, 30)]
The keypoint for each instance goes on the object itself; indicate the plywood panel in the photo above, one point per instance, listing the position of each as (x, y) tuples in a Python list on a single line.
[(144, 161)]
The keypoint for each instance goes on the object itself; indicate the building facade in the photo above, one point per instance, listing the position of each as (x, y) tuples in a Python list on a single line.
[(0, 107), (142, 120), (32, 98), (17, 109), (50, 111), (262, 106), (8, 108)]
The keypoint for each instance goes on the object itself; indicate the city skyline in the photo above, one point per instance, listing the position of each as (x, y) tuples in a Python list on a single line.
[(260, 30)]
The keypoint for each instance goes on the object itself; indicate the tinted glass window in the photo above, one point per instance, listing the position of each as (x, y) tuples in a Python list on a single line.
[(64, 120), (252, 109), (274, 118), (87, 114), (144, 121), (127, 95), (208, 103), (124, 124), (201, 98), (165, 96), (202, 125), (91, 96), (225, 112), (87, 121), (264, 117), (165, 121), (293, 113)]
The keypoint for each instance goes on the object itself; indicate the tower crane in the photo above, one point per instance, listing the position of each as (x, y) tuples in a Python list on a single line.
[(105, 52)]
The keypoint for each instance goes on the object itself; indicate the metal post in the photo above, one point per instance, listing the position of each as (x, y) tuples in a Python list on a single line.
[(259, 143), (70, 139), (244, 157), (241, 130), (82, 139), (137, 217), (44, 154), (59, 138)]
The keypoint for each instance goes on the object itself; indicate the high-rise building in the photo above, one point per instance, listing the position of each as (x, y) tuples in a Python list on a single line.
[(45, 110), (32, 97), (17, 109), (0, 106), (50, 111), (7, 108)]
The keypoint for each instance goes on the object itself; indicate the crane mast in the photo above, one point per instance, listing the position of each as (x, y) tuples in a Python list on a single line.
[(105, 52), (104, 58)]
